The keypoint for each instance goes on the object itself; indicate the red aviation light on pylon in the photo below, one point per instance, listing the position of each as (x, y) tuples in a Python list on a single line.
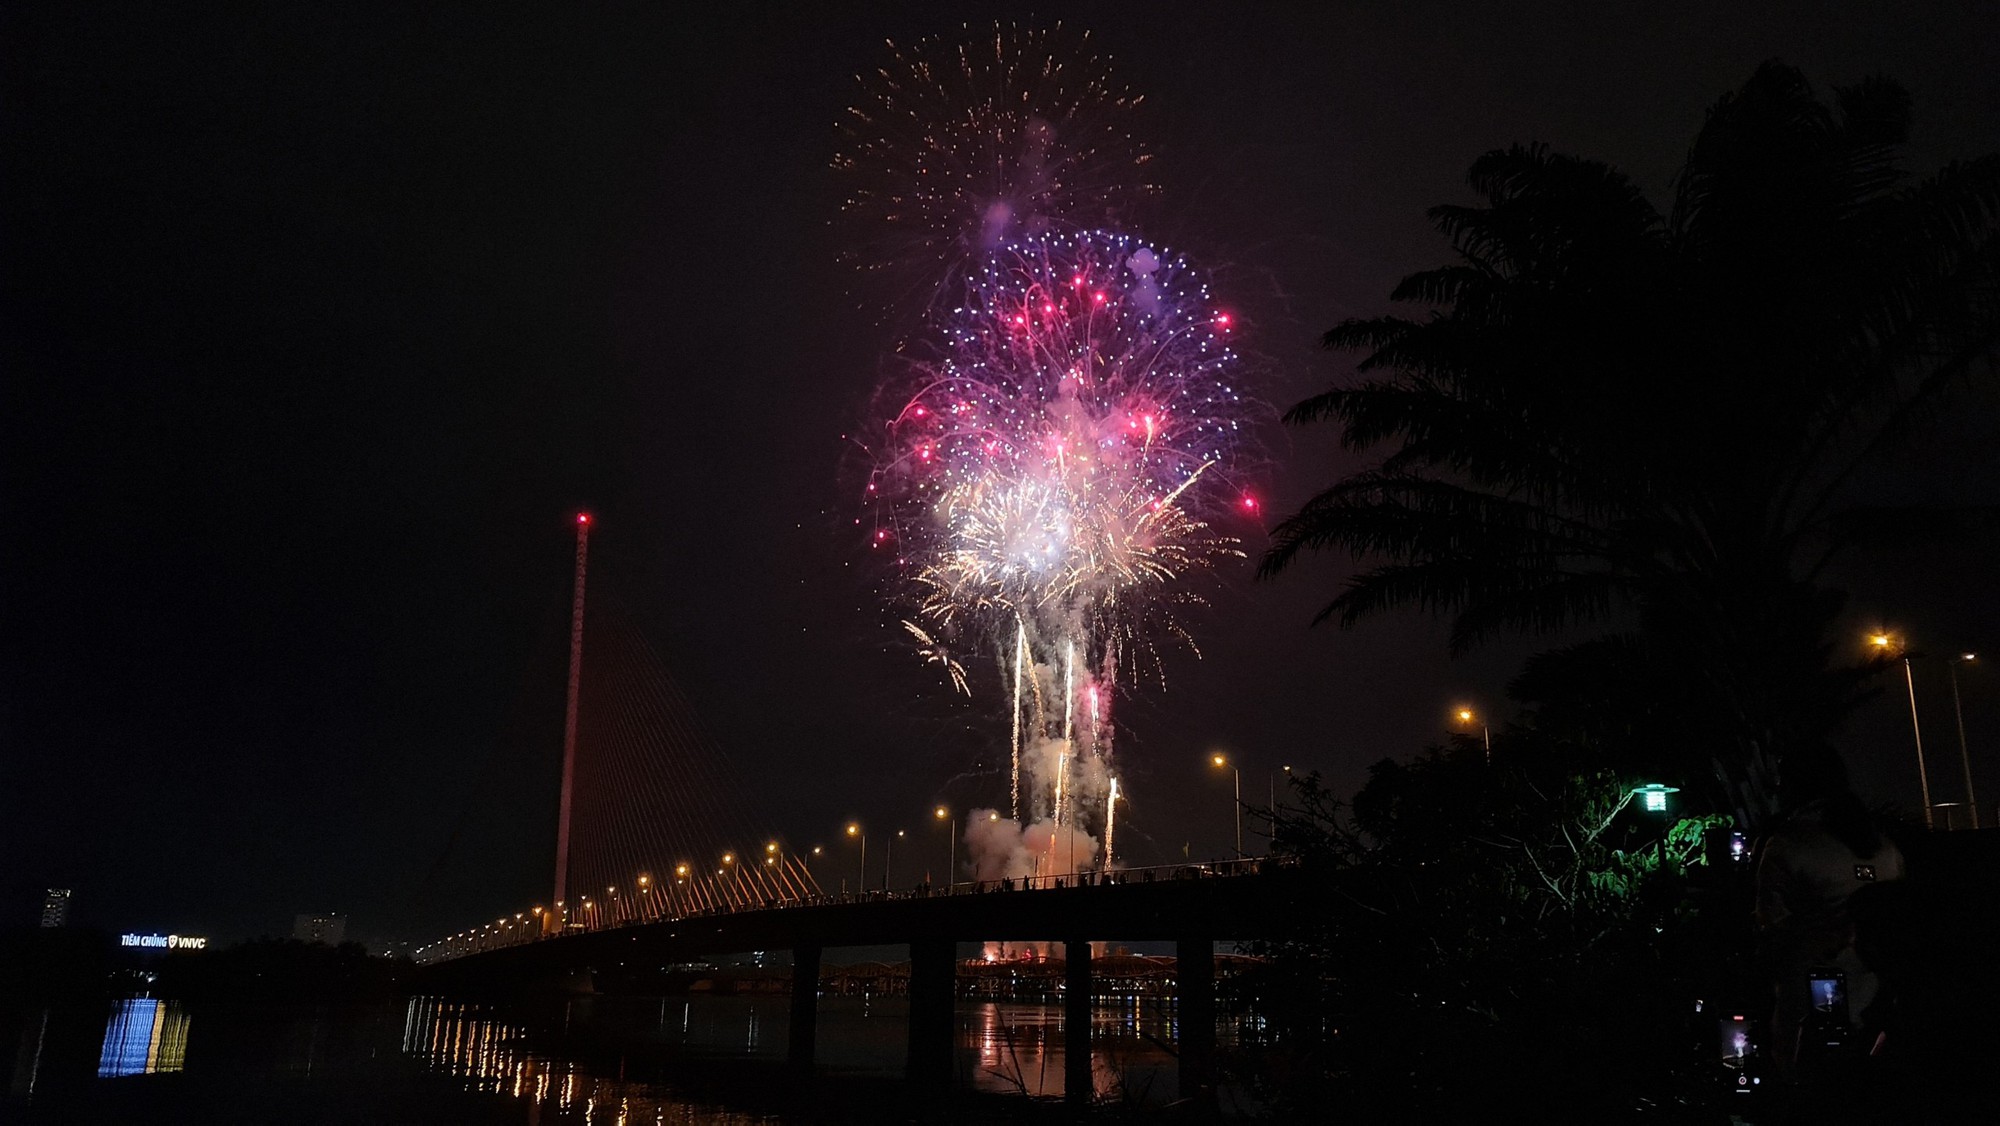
[(583, 518)]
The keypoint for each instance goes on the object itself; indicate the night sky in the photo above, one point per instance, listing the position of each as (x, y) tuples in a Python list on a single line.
[(320, 324)]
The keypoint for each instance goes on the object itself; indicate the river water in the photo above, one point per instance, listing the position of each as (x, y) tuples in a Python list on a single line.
[(594, 1060)]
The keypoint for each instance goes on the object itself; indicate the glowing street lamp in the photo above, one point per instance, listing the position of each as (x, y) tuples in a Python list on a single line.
[(1886, 644), (1469, 717), (1287, 771), (889, 858), (1221, 760), (861, 879), (951, 834), (1964, 756)]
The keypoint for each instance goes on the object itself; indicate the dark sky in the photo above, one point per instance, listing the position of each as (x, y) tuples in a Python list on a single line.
[(320, 322)]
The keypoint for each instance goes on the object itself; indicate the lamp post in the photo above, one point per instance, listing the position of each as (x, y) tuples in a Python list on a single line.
[(1223, 760), (1287, 772), (889, 859), (1654, 795), (1468, 717), (861, 879), (951, 835), (1272, 816), (1885, 643), (1964, 756)]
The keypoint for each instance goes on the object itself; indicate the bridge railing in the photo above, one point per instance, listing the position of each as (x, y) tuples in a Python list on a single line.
[(523, 929)]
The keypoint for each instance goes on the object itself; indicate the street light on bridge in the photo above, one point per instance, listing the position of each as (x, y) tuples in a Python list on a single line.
[(1287, 772), (1889, 645), (1964, 756), (861, 879), (889, 858), (951, 835), (1221, 760)]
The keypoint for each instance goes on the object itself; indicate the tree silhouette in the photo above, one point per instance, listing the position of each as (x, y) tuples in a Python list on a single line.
[(1613, 415)]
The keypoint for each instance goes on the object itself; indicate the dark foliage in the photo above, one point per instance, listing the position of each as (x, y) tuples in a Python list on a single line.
[(1487, 939), (1612, 411)]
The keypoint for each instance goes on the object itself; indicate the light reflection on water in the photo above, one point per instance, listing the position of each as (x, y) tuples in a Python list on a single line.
[(142, 1037), (489, 1054), (1003, 1047), (598, 1060)]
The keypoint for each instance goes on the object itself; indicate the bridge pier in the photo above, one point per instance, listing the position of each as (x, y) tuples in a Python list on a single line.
[(1077, 1086), (804, 1037), (1194, 962), (933, 991)]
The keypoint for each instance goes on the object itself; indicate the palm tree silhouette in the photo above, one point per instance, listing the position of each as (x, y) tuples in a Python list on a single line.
[(1658, 421)]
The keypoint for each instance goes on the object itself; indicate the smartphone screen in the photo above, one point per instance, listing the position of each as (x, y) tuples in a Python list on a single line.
[(1734, 1034), (1735, 1047)]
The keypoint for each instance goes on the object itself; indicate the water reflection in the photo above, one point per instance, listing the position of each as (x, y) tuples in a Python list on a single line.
[(1020, 1048), (1003, 1047), (143, 1036), (490, 1054)]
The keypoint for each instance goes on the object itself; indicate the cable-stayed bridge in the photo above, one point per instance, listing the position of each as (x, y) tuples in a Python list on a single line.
[(659, 860)]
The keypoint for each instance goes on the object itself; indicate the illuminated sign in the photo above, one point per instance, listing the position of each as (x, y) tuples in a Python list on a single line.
[(163, 941)]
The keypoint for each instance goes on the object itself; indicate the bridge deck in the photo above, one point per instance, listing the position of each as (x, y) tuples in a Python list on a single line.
[(1249, 905)]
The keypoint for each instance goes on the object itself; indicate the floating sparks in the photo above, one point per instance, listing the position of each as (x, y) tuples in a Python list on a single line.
[(956, 147), (937, 654)]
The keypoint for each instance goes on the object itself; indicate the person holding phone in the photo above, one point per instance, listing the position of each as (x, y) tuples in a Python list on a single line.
[(1829, 847)]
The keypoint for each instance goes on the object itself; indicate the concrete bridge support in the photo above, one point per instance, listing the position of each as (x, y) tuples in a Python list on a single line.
[(933, 992), (1077, 1086), (805, 1008), (1194, 960)]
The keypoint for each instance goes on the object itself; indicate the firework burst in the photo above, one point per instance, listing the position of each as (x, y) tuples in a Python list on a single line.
[(1053, 479), (957, 146)]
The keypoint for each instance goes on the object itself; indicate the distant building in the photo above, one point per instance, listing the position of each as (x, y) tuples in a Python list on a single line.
[(330, 929), (55, 908)]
